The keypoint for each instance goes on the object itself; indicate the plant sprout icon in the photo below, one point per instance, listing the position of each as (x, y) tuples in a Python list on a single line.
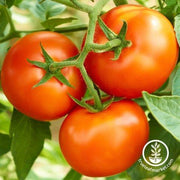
[(155, 153)]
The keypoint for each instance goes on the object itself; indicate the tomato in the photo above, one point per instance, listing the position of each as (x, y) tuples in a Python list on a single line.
[(104, 143), (145, 65), (49, 100)]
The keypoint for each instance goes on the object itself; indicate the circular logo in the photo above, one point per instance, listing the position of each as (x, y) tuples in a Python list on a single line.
[(155, 153)]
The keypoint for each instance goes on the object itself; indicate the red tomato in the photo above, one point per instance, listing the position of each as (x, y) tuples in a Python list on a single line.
[(104, 143), (145, 65), (50, 100)]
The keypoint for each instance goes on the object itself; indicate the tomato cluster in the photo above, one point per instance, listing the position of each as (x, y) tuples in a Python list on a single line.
[(110, 141)]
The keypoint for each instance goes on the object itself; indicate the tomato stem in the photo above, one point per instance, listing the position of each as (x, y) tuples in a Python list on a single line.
[(66, 2), (160, 4), (7, 13), (99, 48), (13, 33), (71, 28), (116, 43), (82, 6)]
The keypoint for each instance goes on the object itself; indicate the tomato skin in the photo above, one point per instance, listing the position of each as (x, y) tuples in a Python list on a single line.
[(104, 143), (145, 65), (50, 100)]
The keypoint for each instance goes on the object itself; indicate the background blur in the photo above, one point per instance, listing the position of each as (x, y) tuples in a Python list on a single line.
[(50, 165)]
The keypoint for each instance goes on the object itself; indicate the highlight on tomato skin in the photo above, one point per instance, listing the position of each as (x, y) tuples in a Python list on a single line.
[(50, 100), (147, 64), (104, 143)]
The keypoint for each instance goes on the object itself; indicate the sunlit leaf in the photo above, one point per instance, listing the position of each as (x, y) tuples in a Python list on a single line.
[(166, 110)]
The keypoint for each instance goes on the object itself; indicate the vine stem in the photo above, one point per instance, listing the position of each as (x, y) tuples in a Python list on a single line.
[(13, 33), (89, 44), (93, 17), (160, 4), (66, 2), (82, 6), (12, 27), (72, 28)]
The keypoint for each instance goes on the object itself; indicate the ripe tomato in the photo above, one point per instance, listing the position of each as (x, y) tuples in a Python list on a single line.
[(145, 65), (49, 100), (104, 143)]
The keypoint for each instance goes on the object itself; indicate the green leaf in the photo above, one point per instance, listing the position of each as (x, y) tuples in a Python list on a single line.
[(173, 173), (171, 9), (5, 143), (28, 137), (3, 19), (166, 110), (142, 2), (5, 114), (47, 9), (157, 132), (73, 175), (121, 176), (7, 3), (177, 27), (3, 2), (17, 2), (120, 2), (52, 23), (4, 122), (176, 83), (3, 107), (170, 2)]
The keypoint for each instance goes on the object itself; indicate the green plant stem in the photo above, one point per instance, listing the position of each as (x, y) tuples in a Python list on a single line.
[(82, 6), (99, 48), (88, 46), (72, 28), (66, 2), (7, 13), (92, 90), (93, 16), (9, 36), (160, 4), (59, 65), (13, 33)]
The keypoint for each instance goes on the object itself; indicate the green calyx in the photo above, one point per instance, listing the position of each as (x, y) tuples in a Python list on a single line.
[(50, 71), (123, 43)]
